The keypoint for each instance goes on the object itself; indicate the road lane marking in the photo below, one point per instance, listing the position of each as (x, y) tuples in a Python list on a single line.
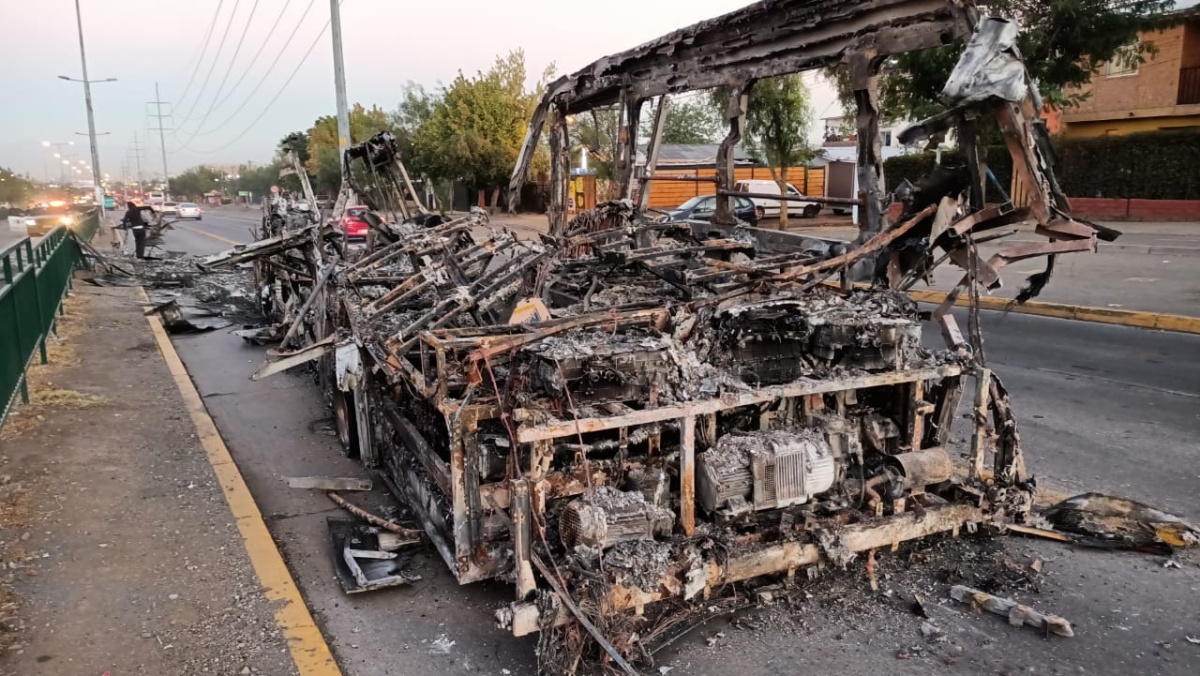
[(310, 653), (206, 233)]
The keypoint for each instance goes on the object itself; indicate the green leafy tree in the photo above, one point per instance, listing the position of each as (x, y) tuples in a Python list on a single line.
[(475, 130), (1063, 42), (193, 183), (258, 180), (416, 107), (688, 122), (599, 131), (323, 163), (778, 117), (14, 189)]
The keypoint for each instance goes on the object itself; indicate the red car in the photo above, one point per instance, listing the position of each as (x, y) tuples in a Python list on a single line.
[(353, 225)]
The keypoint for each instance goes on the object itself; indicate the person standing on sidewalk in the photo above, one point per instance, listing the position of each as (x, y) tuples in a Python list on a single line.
[(133, 220)]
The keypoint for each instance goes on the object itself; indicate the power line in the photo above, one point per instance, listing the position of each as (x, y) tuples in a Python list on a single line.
[(228, 70), (277, 94), (158, 102), (263, 79), (207, 37), (254, 59), (216, 57)]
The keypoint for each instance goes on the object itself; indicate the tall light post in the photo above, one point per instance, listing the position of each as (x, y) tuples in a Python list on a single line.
[(58, 155), (99, 133), (339, 83), (87, 97)]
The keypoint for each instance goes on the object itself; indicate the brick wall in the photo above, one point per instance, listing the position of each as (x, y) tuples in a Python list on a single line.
[(1155, 85)]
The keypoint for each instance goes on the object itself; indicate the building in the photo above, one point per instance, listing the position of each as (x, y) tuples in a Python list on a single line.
[(840, 133), (1161, 93)]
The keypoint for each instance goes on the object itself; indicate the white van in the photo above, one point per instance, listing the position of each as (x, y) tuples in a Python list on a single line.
[(155, 200), (769, 206)]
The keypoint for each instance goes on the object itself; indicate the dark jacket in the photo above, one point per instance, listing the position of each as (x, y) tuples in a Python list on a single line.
[(133, 217)]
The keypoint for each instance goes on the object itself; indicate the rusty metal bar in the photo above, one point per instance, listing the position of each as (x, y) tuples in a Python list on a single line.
[(687, 475), (979, 418), (554, 430)]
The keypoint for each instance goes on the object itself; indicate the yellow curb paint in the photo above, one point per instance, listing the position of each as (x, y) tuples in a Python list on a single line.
[(206, 233), (1100, 315), (310, 652)]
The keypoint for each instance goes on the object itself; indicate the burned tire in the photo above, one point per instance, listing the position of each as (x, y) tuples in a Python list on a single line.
[(344, 422), (812, 210)]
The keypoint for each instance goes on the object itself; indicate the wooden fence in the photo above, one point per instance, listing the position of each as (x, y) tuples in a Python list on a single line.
[(665, 194)]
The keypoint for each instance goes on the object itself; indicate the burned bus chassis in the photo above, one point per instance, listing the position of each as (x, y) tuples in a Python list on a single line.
[(630, 411)]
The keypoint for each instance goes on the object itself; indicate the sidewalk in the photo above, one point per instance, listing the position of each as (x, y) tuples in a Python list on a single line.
[(120, 551), (1152, 267)]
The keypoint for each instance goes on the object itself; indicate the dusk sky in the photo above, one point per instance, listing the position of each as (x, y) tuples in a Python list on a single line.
[(141, 42), (387, 42)]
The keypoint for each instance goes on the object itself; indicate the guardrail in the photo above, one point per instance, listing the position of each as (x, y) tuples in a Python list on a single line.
[(34, 280)]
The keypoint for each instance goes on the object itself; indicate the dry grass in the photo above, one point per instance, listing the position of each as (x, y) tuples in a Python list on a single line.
[(65, 399)]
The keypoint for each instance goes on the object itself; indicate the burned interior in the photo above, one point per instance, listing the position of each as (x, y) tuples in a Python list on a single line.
[(626, 415)]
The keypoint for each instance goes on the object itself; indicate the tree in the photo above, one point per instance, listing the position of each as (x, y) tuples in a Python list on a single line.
[(599, 131), (258, 180), (778, 116), (476, 129), (196, 181), (1063, 42), (688, 122), (14, 189), (416, 107), (324, 163)]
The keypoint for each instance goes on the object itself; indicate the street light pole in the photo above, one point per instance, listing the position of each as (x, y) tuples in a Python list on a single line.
[(339, 84), (91, 119), (60, 155)]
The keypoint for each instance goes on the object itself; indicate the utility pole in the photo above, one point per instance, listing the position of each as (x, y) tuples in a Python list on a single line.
[(339, 84), (137, 155), (161, 139), (91, 119)]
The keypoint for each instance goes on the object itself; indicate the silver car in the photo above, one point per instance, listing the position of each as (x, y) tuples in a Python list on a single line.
[(189, 210)]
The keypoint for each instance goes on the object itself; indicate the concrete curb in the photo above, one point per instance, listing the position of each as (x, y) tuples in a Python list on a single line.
[(1099, 315), (310, 653)]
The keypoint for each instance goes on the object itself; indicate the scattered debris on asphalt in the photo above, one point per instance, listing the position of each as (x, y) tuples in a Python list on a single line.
[(366, 558), (409, 534), (635, 419), (1108, 521), (1018, 615), (326, 483)]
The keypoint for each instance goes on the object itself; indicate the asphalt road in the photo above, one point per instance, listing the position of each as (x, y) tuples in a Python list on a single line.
[(1101, 408)]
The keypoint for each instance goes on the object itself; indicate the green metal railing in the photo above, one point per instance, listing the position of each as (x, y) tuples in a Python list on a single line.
[(34, 280)]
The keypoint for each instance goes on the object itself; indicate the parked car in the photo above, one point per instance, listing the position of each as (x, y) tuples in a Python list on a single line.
[(110, 202), (353, 226), (703, 207), (771, 206), (169, 208), (189, 210)]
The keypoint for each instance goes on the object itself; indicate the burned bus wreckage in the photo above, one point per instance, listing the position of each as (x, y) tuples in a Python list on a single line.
[(627, 415)]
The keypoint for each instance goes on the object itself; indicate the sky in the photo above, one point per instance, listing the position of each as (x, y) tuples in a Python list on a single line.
[(386, 43)]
